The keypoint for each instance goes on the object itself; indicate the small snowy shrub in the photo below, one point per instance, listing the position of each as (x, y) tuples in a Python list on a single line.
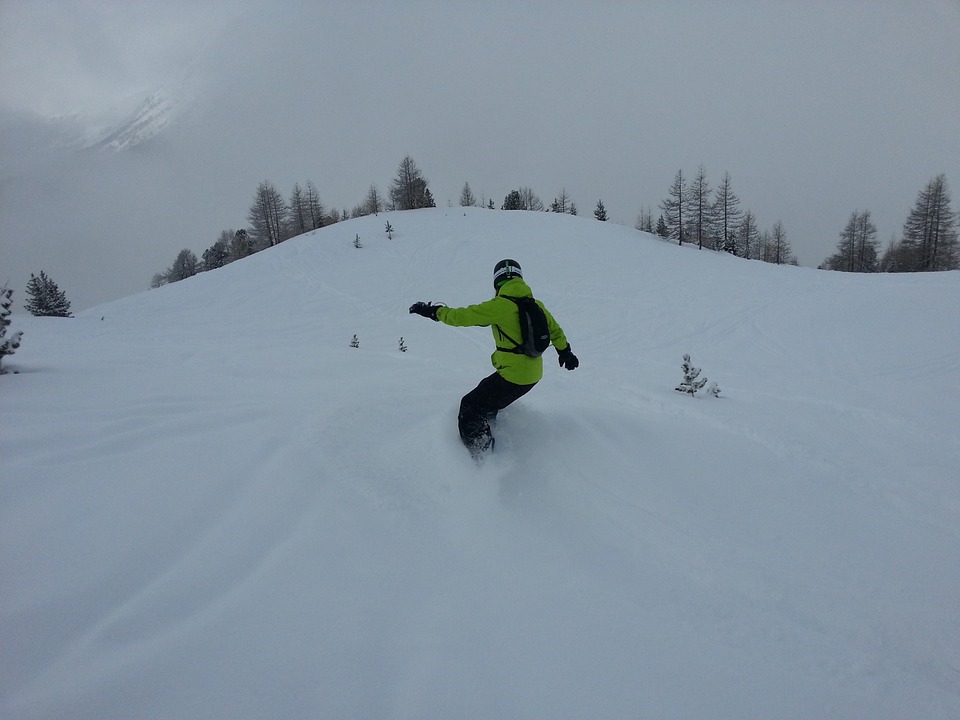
[(692, 382), (356, 242), (403, 347), (355, 342), (389, 231)]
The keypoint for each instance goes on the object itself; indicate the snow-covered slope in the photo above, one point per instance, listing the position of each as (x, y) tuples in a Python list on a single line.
[(214, 507)]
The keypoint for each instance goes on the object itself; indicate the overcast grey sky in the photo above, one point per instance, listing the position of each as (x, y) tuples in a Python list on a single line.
[(816, 109)]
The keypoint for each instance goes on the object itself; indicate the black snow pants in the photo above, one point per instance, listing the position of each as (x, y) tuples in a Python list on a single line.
[(481, 405)]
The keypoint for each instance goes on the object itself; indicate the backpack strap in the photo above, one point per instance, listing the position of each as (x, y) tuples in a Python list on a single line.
[(516, 345)]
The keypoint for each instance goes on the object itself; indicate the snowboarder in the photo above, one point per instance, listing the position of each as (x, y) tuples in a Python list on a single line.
[(516, 373)]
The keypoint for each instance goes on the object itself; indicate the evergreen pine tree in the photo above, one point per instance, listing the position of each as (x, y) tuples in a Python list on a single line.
[(691, 378), (512, 201), (662, 229), (240, 245), (7, 344), (218, 254), (524, 198), (693, 383), (45, 298), (601, 212)]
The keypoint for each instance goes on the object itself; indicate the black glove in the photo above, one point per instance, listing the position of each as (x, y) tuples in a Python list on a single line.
[(567, 359), (428, 310)]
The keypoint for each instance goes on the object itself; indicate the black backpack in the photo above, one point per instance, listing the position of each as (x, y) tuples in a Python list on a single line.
[(535, 333)]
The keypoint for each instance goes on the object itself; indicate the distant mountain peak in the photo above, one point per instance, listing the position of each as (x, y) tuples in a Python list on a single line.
[(155, 114)]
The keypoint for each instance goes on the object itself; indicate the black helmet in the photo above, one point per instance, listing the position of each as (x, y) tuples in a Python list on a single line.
[(505, 270)]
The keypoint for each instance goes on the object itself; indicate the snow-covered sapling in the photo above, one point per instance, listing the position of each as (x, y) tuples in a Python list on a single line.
[(691, 378), (355, 342), (356, 242), (403, 347), (389, 231), (7, 344)]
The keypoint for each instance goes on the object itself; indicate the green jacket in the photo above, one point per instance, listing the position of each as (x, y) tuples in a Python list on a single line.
[(502, 316)]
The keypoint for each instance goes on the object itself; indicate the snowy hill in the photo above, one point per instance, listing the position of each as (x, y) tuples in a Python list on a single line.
[(214, 507)]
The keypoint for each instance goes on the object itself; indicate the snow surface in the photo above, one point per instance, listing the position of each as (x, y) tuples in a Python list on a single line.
[(213, 507)]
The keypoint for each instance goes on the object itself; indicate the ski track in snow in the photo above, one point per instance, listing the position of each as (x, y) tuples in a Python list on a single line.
[(213, 507)]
